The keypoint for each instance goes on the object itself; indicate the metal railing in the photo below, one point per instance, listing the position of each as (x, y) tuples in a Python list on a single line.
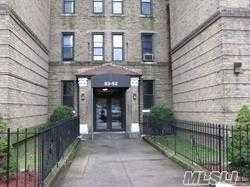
[(211, 146), (27, 158)]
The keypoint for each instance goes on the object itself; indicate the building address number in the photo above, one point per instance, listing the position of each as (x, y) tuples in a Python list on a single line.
[(113, 83)]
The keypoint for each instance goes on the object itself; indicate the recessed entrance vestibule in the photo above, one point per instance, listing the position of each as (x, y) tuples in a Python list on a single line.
[(109, 109)]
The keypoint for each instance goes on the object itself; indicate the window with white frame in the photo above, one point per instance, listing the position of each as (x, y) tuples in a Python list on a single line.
[(146, 7), (68, 6), (98, 46), (118, 51), (98, 6), (117, 6)]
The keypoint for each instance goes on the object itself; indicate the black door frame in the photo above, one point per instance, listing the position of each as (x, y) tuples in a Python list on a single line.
[(109, 115)]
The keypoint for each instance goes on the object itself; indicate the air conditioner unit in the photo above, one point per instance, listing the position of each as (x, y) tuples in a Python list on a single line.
[(148, 57)]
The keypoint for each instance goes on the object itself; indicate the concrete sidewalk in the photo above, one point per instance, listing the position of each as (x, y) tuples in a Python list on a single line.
[(112, 160)]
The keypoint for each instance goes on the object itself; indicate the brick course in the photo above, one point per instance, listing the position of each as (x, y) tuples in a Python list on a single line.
[(24, 63), (205, 87)]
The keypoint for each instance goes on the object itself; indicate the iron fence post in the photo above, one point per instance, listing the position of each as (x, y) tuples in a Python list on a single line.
[(248, 156), (58, 143), (35, 157), (232, 143), (8, 157), (42, 161), (241, 159), (175, 141), (17, 160), (78, 126), (227, 147), (25, 156), (220, 143)]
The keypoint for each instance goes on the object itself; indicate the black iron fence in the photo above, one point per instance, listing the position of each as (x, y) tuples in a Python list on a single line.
[(211, 146), (27, 158)]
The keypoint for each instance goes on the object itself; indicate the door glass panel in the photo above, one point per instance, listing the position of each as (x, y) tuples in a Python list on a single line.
[(116, 112), (101, 114)]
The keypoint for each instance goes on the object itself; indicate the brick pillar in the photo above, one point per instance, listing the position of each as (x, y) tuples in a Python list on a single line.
[(132, 109), (86, 104)]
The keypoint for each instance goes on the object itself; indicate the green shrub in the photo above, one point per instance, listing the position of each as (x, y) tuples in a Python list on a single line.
[(161, 115), (3, 125), (3, 136), (243, 118), (12, 165), (3, 152), (240, 146), (61, 113)]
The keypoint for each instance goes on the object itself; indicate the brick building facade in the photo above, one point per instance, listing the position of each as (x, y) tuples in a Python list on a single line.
[(207, 45), (24, 59), (192, 55)]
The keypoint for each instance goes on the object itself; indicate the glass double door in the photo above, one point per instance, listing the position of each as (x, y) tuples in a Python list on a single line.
[(109, 111)]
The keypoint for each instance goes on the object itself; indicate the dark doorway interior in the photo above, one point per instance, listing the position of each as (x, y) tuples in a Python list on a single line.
[(109, 109)]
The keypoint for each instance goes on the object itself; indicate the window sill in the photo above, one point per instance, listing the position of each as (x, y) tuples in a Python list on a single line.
[(146, 110), (152, 62), (117, 15), (97, 15), (98, 61), (68, 15), (67, 62), (146, 16)]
